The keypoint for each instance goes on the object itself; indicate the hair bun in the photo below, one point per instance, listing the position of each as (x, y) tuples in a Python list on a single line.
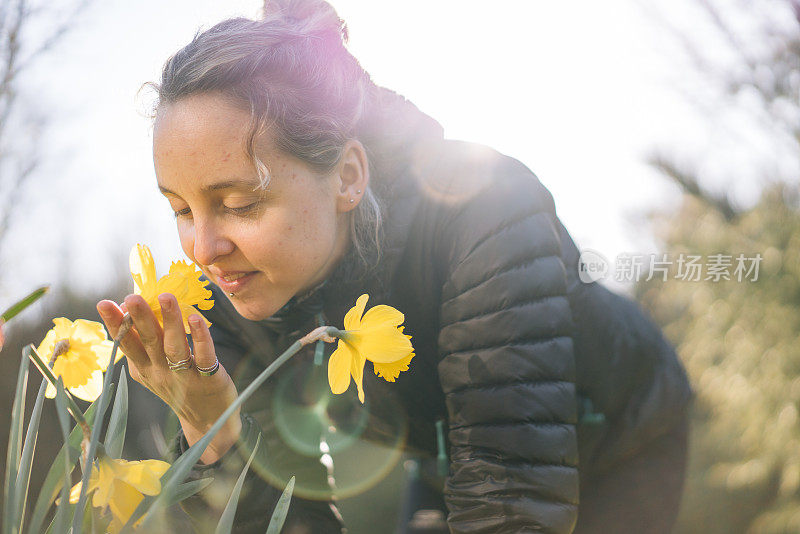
[(315, 16)]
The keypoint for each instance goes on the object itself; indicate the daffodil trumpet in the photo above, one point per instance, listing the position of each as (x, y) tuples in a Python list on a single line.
[(182, 281)]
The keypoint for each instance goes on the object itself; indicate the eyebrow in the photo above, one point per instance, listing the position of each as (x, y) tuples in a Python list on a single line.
[(228, 184)]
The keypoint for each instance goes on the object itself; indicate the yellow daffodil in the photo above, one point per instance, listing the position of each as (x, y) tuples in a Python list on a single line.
[(85, 353), (376, 337), (121, 485), (183, 281)]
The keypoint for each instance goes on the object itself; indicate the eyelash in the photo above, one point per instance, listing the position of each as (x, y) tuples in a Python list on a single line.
[(235, 211)]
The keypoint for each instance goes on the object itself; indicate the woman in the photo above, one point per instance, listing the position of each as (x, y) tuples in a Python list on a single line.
[(298, 185)]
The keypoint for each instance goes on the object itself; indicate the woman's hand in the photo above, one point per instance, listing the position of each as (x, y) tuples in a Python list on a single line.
[(197, 400)]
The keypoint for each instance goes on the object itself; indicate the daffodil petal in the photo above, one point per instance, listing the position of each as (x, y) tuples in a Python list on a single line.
[(339, 368), (173, 283), (145, 475), (188, 291), (381, 315), (141, 263), (123, 500), (390, 371), (186, 311), (89, 391), (197, 290), (137, 283), (205, 304), (357, 370), (182, 268), (382, 344), (352, 318), (88, 331), (103, 478), (102, 352), (74, 493), (63, 327), (193, 289), (74, 369), (45, 348)]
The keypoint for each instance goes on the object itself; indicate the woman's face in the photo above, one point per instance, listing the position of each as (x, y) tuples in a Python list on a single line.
[(279, 241)]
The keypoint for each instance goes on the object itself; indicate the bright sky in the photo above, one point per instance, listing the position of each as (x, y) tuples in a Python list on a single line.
[(579, 93)]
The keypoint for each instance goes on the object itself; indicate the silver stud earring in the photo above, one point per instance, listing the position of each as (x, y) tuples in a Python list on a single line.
[(352, 200), (359, 191), (230, 295)]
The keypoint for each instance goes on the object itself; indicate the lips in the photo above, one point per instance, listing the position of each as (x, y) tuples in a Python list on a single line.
[(232, 282)]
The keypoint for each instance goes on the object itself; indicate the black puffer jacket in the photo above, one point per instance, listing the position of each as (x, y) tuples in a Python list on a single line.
[(535, 373)]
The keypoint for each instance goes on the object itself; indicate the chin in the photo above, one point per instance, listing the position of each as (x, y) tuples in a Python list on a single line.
[(255, 312)]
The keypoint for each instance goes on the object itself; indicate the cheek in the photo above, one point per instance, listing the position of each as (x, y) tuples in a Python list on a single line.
[(304, 241), (186, 238)]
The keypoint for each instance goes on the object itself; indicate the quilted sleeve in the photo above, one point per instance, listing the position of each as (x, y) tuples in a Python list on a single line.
[(507, 365)]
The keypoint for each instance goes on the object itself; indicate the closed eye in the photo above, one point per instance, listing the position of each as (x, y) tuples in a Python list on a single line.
[(249, 210), (242, 209)]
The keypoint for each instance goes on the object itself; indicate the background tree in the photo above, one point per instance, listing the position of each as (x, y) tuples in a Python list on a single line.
[(27, 31), (739, 339)]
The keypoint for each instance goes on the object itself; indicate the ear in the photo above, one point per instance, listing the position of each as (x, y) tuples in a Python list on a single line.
[(353, 176)]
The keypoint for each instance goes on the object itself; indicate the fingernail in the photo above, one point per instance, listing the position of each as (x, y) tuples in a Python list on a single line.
[(166, 302), (195, 321)]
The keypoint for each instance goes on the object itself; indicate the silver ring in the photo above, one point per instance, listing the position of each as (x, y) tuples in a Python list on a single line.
[(208, 371), (181, 365)]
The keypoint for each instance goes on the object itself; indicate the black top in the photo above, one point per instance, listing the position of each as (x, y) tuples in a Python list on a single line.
[(530, 369)]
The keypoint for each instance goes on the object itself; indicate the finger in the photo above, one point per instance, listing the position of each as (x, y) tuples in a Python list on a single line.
[(148, 328), (112, 316), (204, 353), (176, 346)]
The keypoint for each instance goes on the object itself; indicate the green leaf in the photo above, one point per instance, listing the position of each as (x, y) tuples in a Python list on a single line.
[(14, 309), (187, 489), (178, 471), (14, 444), (225, 524), (102, 403), (281, 509), (64, 510), (115, 435), (26, 461), (55, 478), (59, 525)]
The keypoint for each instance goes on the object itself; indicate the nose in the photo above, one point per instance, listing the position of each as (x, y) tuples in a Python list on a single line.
[(211, 242)]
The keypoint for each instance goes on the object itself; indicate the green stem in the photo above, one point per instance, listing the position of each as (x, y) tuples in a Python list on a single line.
[(102, 405)]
